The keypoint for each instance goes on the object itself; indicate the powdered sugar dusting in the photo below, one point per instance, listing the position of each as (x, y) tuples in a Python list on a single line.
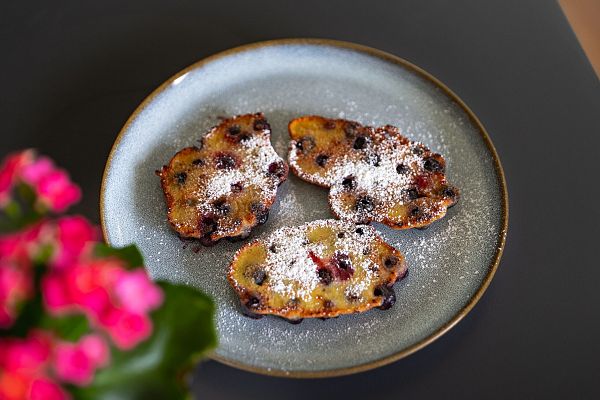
[(291, 270)]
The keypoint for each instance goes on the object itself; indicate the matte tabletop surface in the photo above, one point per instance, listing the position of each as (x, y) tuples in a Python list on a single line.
[(71, 74)]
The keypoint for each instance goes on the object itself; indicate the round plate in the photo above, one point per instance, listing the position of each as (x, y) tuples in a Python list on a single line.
[(450, 264)]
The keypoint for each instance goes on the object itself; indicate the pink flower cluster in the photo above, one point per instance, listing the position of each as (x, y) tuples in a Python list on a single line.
[(32, 368), (53, 188), (115, 299)]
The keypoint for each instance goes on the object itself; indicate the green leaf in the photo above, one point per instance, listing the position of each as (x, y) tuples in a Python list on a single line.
[(130, 254), (183, 332), (68, 327)]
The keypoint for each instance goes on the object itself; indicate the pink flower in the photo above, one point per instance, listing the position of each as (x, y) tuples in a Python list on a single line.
[(125, 328), (57, 191), (9, 172), (77, 362), (74, 236), (115, 299), (136, 293), (13, 386), (27, 355), (51, 184), (44, 389), (15, 287), (34, 172), (96, 349)]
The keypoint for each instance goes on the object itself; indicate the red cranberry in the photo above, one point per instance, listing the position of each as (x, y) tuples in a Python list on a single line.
[(277, 168)]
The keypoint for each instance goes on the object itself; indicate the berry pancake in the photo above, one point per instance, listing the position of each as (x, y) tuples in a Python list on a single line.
[(323, 269), (225, 186), (374, 174)]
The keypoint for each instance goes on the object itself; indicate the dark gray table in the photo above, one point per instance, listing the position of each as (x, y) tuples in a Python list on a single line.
[(72, 73)]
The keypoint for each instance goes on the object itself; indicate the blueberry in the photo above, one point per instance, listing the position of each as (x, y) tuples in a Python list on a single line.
[(415, 211), (234, 130), (252, 302), (360, 143), (351, 129), (329, 124), (391, 261), (364, 204), (412, 194), (260, 124), (349, 182), (389, 297), (448, 192), (259, 276), (341, 235), (401, 169), (181, 177), (222, 206), (325, 276), (374, 160), (261, 212), (208, 225), (225, 161), (343, 261), (352, 297), (417, 150), (360, 231), (432, 165), (305, 144), (328, 304), (321, 160)]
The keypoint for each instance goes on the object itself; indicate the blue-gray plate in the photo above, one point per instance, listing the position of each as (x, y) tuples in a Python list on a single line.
[(450, 264)]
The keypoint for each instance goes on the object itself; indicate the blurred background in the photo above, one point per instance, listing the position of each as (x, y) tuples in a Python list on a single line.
[(72, 73)]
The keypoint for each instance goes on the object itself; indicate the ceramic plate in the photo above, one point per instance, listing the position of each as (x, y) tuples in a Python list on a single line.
[(450, 264)]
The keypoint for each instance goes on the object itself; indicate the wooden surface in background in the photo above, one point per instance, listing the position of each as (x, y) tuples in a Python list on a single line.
[(584, 17)]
